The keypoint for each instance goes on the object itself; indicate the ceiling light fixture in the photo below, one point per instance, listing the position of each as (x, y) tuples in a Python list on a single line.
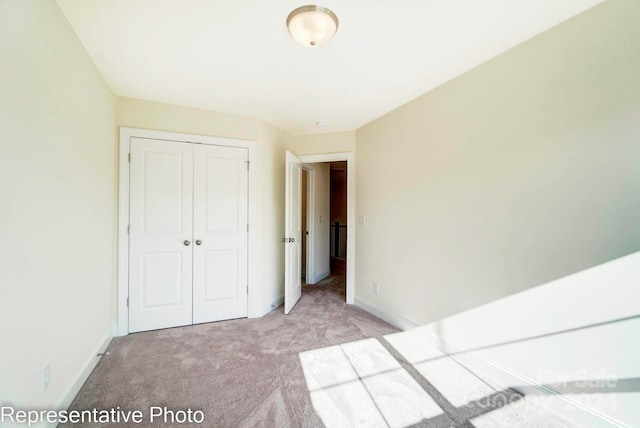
[(312, 25)]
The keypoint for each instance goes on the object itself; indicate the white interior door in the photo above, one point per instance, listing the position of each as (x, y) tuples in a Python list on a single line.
[(293, 230), (220, 233), (161, 230)]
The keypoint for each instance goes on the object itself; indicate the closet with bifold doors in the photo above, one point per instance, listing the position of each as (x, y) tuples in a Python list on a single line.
[(188, 216)]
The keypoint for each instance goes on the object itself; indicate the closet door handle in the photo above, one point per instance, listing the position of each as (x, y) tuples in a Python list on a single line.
[(186, 243), (198, 242)]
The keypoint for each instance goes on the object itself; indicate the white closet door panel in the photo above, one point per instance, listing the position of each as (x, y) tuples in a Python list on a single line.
[(222, 194), (220, 227), (161, 220), (221, 275), (161, 279), (163, 192)]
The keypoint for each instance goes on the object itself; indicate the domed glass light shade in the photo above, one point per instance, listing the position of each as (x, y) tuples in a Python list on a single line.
[(312, 25)]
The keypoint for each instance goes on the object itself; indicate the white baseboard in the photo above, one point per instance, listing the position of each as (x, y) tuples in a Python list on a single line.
[(394, 320), (83, 375), (278, 302), (502, 377), (320, 277), (264, 310)]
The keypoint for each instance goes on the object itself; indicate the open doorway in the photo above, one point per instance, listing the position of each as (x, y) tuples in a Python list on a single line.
[(324, 225), (338, 216), (317, 225)]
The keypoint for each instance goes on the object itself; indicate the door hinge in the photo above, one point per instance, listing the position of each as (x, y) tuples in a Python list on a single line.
[(247, 289), (247, 162), (247, 227), (128, 226), (129, 157), (127, 302)]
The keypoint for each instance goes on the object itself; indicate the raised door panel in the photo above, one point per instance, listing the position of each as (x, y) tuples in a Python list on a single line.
[(161, 220), (222, 268), (220, 231)]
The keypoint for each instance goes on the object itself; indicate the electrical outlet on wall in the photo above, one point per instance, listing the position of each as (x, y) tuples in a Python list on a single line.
[(376, 288), (46, 376)]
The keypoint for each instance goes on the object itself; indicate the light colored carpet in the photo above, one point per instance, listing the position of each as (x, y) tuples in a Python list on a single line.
[(240, 373), (325, 364)]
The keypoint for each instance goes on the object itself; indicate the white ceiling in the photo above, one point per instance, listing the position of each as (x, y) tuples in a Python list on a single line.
[(236, 56)]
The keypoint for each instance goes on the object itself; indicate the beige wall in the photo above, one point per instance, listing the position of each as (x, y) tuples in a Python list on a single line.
[(484, 195), (519, 172), (271, 144), (58, 215), (335, 142)]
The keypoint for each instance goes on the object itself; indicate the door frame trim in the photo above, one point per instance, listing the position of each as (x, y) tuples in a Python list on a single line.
[(123, 212), (350, 158)]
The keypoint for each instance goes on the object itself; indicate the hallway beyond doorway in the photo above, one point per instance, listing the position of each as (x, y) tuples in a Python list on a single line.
[(334, 285)]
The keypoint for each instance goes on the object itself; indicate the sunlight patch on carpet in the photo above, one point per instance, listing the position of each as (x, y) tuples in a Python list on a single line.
[(362, 384)]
